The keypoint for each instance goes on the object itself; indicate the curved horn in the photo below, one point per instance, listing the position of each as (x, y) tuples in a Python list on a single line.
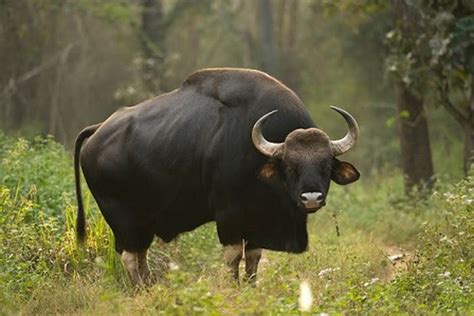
[(342, 145), (264, 146)]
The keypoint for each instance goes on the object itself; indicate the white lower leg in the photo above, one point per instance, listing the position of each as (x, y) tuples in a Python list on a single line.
[(232, 256), (143, 268), (252, 257), (130, 261)]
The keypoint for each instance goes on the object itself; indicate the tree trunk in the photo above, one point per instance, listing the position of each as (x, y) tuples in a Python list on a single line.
[(267, 41), (153, 36), (469, 132), (415, 148), (289, 72), (468, 148)]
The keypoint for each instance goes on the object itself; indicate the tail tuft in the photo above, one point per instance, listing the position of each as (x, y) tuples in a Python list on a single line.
[(81, 225)]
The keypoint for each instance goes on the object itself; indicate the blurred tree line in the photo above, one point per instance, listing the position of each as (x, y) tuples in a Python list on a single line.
[(404, 68)]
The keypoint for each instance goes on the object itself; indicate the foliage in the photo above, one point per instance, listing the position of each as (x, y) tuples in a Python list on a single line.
[(38, 169), (440, 271), (431, 51), (44, 272)]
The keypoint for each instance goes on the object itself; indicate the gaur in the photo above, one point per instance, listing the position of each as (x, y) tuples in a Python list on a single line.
[(234, 146)]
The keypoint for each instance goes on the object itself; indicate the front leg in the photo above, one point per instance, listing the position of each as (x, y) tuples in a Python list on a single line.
[(252, 257), (232, 256), (130, 260)]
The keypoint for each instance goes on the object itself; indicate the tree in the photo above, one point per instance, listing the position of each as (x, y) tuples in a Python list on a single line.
[(407, 67), (153, 44), (268, 51), (288, 31), (440, 53), (449, 29)]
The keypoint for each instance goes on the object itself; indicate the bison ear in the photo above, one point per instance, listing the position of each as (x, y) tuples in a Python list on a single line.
[(269, 173), (343, 172)]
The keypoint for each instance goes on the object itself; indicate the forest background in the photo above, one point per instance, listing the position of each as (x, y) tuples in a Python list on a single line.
[(404, 68)]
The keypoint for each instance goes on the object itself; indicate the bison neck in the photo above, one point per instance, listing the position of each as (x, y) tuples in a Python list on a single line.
[(263, 218)]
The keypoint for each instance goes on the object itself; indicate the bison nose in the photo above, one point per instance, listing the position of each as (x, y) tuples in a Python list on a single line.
[(312, 200)]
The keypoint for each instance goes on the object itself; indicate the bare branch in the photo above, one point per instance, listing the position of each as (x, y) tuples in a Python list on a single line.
[(14, 83), (443, 89), (458, 116)]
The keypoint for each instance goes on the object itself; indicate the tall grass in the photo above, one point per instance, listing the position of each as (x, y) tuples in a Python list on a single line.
[(44, 271)]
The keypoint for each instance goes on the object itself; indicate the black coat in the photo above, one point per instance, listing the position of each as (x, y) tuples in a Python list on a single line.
[(184, 158)]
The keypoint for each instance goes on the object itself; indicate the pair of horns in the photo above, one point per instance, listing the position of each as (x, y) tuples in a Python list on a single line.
[(339, 146)]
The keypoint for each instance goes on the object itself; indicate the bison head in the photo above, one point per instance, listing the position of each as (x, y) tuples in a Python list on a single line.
[(305, 162)]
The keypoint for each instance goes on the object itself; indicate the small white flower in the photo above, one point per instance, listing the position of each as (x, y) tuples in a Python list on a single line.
[(323, 272), (173, 266), (372, 281), (390, 34), (446, 274), (449, 196)]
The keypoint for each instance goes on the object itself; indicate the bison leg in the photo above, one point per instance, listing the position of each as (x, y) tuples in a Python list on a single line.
[(143, 268), (133, 262), (232, 256), (252, 257)]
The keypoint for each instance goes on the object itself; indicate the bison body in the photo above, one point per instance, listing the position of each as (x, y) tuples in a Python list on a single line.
[(185, 158)]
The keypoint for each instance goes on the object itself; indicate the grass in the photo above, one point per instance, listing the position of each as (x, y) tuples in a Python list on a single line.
[(44, 272)]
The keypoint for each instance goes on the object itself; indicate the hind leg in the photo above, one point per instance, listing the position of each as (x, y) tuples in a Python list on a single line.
[(232, 256), (252, 258), (133, 246), (133, 236), (130, 262), (143, 268), (137, 266)]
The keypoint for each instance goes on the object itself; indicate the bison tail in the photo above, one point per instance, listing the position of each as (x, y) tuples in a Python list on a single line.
[(81, 218)]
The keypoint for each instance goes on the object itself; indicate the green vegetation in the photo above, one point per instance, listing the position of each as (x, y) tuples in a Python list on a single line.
[(43, 271)]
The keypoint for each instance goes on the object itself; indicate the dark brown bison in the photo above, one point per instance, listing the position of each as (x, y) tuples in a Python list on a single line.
[(234, 146)]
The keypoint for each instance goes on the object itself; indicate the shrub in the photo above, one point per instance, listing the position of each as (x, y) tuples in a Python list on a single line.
[(41, 166)]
